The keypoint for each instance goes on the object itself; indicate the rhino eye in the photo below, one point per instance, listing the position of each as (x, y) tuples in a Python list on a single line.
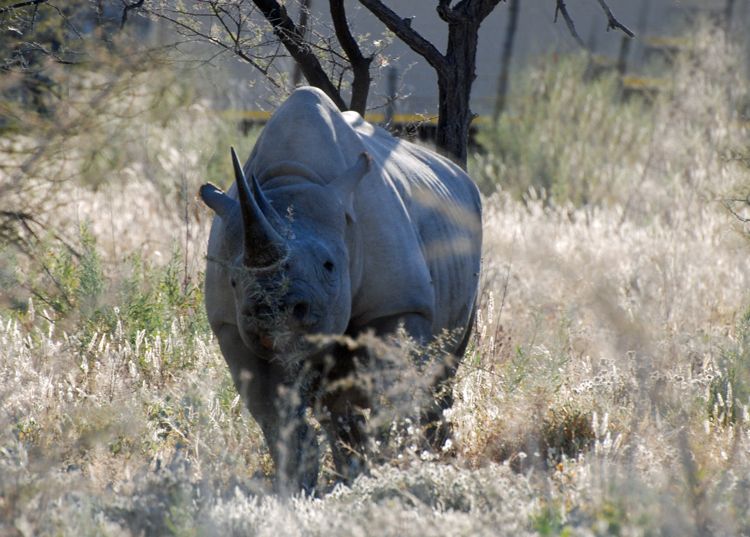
[(328, 265), (233, 283)]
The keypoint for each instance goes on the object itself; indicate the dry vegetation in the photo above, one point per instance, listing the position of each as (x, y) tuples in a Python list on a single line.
[(606, 391)]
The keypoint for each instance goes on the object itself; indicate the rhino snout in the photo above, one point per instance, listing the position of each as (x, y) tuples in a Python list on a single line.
[(260, 311), (301, 313), (294, 310)]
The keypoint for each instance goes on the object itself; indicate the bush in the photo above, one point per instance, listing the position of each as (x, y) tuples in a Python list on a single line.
[(728, 398), (564, 136)]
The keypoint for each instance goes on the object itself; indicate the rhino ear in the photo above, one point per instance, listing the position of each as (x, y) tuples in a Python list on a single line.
[(347, 182), (219, 202)]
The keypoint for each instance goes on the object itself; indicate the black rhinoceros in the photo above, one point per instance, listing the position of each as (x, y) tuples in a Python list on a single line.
[(341, 228)]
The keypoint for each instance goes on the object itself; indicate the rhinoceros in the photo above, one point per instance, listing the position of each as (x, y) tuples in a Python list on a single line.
[(334, 227)]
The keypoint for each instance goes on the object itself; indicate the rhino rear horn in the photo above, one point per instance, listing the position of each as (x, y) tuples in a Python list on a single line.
[(278, 223), (263, 246)]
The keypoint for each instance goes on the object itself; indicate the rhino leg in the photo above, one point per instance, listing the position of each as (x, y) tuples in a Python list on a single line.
[(278, 409), (340, 410), (345, 425), (436, 428)]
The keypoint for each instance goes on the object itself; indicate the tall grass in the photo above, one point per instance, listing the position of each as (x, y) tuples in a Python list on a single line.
[(605, 391)]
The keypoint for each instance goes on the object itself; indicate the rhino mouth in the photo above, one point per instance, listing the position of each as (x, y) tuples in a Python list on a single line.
[(271, 343), (266, 341)]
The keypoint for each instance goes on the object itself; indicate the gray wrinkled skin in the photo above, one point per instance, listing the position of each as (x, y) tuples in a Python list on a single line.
[(377, 233)]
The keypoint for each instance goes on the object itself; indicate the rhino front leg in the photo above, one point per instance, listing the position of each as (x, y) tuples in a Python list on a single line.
[(345, 425), (279, 410), (344, 396), (436, 428), (341, 402)]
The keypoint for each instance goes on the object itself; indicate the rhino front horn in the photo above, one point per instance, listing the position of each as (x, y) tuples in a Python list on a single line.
[(263, 246)]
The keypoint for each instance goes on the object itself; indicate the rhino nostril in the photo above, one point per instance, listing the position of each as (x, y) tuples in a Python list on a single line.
[(300, 310)]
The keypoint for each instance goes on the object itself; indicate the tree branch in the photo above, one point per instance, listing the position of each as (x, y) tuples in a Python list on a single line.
[(560, 9), (38, 47), (294, 41), (730, 204), (466, 10), (612, 22), (403, 30), (360, 64), (21, 4), (235, 49), (129, 7)]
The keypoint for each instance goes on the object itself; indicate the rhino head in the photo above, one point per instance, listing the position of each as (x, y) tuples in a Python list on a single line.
[(289, 275)]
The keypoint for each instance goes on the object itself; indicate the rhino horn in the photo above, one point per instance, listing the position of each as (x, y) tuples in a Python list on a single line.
[(263, 244), (265, 206)]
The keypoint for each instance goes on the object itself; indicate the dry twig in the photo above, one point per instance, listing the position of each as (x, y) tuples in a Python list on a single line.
[(612, 22), (561, 9), (21, 4)]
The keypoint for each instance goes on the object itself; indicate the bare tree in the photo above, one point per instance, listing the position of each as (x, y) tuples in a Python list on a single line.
[(54, 122), (455, 67)]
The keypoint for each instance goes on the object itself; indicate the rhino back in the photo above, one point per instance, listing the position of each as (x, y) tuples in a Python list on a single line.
[(443, 207)]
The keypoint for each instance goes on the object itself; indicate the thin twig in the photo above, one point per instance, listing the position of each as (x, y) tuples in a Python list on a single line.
[(37, 47), (403, 30), (21, 4), (612, 22), (289, 35), (237, 50), (561, 9), (730, 202)]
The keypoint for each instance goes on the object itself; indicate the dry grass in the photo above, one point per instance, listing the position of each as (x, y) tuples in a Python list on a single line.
[(605, 393)]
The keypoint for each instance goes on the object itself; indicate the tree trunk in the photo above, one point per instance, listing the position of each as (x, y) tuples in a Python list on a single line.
[(304, 15), (455, 69), (454, 90), (505, 57), (360, 85), (359, 63)]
